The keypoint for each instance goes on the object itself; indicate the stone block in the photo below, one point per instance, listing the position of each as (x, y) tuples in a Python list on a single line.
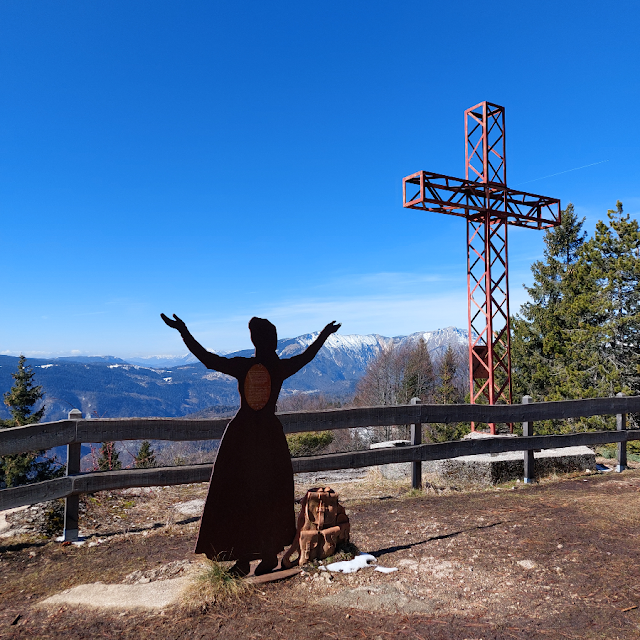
[(501, 467), (397, 471)]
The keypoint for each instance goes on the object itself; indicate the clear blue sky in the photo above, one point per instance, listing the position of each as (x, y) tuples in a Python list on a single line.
[(221, 160)]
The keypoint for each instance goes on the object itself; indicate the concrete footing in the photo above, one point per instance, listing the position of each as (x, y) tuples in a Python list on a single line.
[(502, 467), (494, 468), (397, 471)]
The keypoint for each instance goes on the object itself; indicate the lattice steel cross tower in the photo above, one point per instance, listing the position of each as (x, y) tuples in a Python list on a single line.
[(489, 206)]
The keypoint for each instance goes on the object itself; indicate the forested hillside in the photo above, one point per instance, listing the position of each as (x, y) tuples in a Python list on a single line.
[(112, 388)]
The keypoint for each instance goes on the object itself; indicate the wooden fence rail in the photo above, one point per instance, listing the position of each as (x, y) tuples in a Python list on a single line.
[(73, 432), (46, 435)]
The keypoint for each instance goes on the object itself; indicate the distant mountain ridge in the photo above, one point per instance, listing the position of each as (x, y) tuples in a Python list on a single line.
[(163, 362), (436, 341), (167, 386)]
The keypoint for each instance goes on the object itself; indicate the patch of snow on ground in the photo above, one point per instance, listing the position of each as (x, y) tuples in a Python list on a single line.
[(359, 562)]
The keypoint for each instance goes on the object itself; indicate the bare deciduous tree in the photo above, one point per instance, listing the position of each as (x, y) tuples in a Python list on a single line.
[(403, 372)]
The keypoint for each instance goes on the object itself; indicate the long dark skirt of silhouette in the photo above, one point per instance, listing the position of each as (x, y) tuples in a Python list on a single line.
[(249, 512)]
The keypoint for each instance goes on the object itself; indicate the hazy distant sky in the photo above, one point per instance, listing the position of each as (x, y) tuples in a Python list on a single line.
[(221, 160)]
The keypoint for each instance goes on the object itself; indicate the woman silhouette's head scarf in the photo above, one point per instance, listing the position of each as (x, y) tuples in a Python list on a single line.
[(263, 334)]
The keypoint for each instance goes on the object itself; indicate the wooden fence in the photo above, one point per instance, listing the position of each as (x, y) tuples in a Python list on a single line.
[(75, 431)]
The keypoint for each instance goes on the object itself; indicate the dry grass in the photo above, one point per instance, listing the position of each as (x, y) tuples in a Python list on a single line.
[(557, 559), (214, 584)]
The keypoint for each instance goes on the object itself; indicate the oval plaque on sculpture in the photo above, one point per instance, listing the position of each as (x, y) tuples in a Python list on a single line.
[(257, 387)]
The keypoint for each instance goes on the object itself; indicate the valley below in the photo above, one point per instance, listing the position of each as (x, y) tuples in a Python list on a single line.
[(109, 387)]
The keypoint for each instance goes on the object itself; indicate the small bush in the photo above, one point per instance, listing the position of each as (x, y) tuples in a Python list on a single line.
[(215, 583), (607, 451), (610, 450), (308, 444), (109, 459), (146, 457), (54, 519)]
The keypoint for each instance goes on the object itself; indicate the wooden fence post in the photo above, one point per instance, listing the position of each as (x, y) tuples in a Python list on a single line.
[(416, 438), (529, 462), (72, 503), (621, 425)]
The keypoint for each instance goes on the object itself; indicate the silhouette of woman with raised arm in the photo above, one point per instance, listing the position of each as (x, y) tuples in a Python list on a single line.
[(249, 509)]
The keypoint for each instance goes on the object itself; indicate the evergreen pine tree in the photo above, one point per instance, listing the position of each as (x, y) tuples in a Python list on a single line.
[(614, 254), (109, 458), (602, 352), (541, 333), (554, 348), (447, 392), (582, 370), (579, 335), (33, 466), (146, 456), (23, 396)]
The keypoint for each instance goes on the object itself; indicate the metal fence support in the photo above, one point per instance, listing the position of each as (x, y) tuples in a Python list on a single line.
[(416, 438), (72, 503), (529, 462), (621, 425)]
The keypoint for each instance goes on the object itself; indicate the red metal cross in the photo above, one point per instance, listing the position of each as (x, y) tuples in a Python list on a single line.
[(489, 206)]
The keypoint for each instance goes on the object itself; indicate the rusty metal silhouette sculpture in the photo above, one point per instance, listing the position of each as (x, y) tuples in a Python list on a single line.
[(249, 512)]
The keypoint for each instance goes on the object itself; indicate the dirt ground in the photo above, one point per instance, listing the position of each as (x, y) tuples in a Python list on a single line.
[(559, 559)]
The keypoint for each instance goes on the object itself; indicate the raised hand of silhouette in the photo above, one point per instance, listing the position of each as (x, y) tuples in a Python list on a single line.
[(332, 327), (177, 324)]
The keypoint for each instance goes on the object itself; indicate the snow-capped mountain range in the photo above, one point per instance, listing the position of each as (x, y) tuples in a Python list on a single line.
[(362, 348), (167, 386)]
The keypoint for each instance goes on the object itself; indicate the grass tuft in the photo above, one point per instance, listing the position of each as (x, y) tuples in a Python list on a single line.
[(345, 551), (214, 584)]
